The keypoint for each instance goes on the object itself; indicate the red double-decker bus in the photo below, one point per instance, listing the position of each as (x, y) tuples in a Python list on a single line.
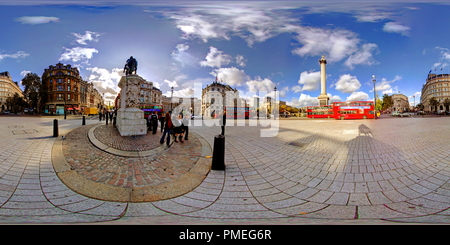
[(150, 108), (325, 111), (237, 112), (353, 110)]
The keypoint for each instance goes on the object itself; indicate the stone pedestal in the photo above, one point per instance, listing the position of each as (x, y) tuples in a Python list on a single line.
[(130, 119)]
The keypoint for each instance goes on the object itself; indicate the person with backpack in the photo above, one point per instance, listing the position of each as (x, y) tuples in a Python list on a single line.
[(168, 127), (161, 120), (154, 122), (178, 128)]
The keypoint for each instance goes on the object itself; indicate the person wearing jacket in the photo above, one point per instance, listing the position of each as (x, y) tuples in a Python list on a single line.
[(168, 127)]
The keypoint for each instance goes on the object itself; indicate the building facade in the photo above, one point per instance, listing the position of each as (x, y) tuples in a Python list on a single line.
[(216, 96), (400, 102), (67, 92), (437, 86), (7, 90), (150, 94)]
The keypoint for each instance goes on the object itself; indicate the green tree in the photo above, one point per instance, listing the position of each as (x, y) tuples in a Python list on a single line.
[(15, 103), (446, 103), (34, 91), (433, 103), (386, 102)]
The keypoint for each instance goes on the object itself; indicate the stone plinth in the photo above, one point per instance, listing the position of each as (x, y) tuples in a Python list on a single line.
[(131, 121)]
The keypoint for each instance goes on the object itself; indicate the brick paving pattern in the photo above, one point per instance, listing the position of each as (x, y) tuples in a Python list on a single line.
[(115, 170), (385, 171)]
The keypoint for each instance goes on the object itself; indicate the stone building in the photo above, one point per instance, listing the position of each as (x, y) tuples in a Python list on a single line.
[(437, 86), (7, 89), (400, 102), (216, 95)]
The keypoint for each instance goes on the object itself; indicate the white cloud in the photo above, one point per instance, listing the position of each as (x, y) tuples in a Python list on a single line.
[(88, 36), (259, 22), (363, 56), (17, 55), (303, 100), (396, 28), (334, 98), (24, 73), (240, 60), (358, 96), (171, 83), (309, 81), (231, 76), (181, 55), (216, 58), (105, 81), (34, 20), (337, 44), (249, 22), (385, 85), (78, 54), (260, 85), (347, 84)]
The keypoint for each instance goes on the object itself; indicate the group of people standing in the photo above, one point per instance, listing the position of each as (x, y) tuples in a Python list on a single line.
[(176, 125)]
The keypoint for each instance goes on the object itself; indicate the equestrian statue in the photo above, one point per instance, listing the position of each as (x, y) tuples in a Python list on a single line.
[(130, 66)]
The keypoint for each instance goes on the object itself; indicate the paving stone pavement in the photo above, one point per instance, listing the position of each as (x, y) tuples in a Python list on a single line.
[(386, 171)]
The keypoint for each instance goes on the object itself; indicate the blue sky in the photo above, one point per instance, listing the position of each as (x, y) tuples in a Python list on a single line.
[(252, 46)]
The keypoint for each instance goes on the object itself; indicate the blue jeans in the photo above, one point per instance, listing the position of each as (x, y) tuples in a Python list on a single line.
[(168, 132)]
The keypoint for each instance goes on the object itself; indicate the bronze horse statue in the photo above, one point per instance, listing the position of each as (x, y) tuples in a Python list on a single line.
[(130, 66)]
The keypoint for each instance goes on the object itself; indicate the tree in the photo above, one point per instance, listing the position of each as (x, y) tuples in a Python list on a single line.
[(15, 103), (446, 103), (387, 102), (433, 103), (34, 90)]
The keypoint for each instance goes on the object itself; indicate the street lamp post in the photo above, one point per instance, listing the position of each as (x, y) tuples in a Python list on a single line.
[(374, 98)]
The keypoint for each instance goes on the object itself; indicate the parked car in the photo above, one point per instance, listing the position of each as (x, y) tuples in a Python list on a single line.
[(395, 113), (405, 114), (195, 116), (420, 113)]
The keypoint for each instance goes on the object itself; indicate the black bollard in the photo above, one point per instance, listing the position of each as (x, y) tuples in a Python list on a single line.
[(55, 128), (218, 158), (83, 121)]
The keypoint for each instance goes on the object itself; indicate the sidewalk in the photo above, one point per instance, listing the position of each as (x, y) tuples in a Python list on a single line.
[(312, 172)]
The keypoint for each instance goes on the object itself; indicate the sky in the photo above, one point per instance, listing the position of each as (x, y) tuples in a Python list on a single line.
[(253, 46)]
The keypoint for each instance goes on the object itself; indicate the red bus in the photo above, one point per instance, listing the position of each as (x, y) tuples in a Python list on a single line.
[(237, 112), (353, 110), (150, 108), (325, 111)]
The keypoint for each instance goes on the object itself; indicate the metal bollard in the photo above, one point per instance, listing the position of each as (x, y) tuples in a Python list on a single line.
[(83, 122), (55, 128), (218, 158)]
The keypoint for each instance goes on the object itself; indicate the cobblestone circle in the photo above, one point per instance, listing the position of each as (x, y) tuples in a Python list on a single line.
[(110, 136), (106, 168)]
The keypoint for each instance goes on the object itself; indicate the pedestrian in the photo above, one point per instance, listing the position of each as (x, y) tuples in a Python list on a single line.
[(161, 120), (178, 128), (154, 122), (100, 115), (168, 127), (149, 124), (223, 121), (186, 127)]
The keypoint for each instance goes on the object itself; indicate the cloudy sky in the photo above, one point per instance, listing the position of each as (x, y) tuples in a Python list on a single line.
[(252, 46)]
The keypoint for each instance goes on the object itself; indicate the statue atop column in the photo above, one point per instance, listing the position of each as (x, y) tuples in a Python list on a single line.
[(130, 66)]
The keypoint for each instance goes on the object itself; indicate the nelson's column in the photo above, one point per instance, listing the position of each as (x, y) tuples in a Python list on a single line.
[(323, 97)]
